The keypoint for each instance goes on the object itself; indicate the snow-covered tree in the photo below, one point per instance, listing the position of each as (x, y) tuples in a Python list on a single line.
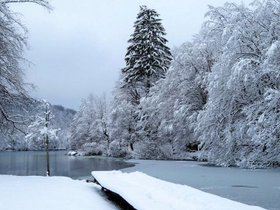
[(218, 101), (168, 114), (40, 132), (243, 83), (99, 130), (80, 126), (263, 116), (89, 129), (222, 92), (147, 60), (62, 119), (148, 57), (122, 124), (13, 92)]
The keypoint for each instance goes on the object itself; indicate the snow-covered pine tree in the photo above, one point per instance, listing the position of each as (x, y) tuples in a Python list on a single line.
[(147, 60), (148, 57)]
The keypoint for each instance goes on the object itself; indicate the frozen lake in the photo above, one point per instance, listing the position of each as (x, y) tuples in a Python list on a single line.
[(254, 187), (34, 163)]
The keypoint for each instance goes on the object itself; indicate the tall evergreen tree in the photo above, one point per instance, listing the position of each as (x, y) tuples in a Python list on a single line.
[(147, 60), (148, 57)]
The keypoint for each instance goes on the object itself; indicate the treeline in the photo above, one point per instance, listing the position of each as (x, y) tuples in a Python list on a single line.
[(218, 101)]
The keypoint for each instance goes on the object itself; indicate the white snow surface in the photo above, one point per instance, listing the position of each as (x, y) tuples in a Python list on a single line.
[(50, 193), (144, 192)]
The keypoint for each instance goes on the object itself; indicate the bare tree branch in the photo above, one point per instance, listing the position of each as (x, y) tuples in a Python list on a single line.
[(43, 3)]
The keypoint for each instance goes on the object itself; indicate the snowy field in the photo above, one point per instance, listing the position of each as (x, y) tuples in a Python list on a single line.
[(144, 192), (50, 193), (254, 187)]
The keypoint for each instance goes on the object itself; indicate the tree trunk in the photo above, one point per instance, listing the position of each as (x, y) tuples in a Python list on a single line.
[(148, 84), (48, 157), (47, 119)]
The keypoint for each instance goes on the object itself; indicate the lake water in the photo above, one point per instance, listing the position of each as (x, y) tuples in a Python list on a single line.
[(34, 163)]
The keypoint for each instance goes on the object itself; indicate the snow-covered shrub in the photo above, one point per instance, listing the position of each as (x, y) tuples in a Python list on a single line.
[(151, 150), (93, 149), (118, 150)]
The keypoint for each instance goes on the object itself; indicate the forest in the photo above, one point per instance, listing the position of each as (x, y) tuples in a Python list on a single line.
[(215, 98), (189, 127)]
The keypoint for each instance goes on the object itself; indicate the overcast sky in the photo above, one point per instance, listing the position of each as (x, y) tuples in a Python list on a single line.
[(79, 47)]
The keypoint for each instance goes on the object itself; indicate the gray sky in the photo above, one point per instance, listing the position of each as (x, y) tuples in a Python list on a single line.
[(79, 47)]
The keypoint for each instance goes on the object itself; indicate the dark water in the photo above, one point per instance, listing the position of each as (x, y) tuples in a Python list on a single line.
[(34, 163)]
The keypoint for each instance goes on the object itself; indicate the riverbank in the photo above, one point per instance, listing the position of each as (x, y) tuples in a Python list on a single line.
[(50, 193)]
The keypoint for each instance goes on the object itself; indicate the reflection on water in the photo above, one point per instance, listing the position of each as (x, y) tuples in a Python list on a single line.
[(34, 163)]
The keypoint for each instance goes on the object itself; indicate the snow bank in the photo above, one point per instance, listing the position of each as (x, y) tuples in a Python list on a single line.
[(72, 153), (50, 193), (145, 192)]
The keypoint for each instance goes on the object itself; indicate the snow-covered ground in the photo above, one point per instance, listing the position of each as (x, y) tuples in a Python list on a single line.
[(144, 192), (254, 187), (50, 193)]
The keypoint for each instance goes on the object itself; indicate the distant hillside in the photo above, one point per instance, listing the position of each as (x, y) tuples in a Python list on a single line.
[(62, 119)]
